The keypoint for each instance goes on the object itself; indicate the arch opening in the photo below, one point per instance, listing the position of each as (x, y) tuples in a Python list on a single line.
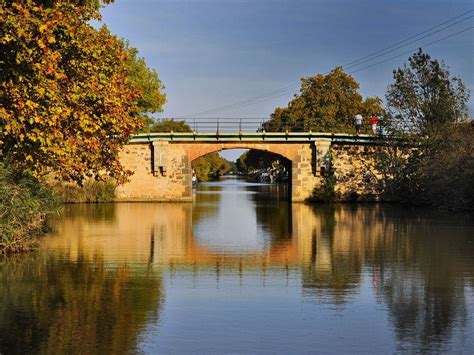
[(245, 164)]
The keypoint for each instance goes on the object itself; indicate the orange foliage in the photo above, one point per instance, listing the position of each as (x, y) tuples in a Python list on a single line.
[(66, 104)]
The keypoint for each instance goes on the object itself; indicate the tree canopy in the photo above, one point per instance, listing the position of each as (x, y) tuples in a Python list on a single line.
[(325, 103), (71, 94), (424, 96), (151, 98), (211, 166), (166, 125), (427, 106)]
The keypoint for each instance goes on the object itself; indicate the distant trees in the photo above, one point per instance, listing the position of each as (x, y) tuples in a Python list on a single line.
[(252, 160), (210, 166), (166, 125), (325, 103)]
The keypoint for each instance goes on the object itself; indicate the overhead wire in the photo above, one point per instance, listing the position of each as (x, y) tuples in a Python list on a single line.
[(379, 53), (409, 38)]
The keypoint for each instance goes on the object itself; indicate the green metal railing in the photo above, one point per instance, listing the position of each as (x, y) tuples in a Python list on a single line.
[(295, 137)]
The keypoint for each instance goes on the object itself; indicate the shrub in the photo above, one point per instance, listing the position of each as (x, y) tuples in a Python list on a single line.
[(24, 205)]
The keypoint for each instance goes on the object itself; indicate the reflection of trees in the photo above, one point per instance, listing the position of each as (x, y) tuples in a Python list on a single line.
[(419, 265), (425, 292), (90, 211), (329, 271), (276, 218), (61, 306)]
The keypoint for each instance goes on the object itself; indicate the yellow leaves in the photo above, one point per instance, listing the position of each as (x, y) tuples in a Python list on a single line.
[(64, 108), (31, 104), (7, 38), (41, 44)]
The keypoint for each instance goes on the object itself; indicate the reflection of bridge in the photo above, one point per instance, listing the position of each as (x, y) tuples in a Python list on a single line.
[(161, 162), (163, 234)]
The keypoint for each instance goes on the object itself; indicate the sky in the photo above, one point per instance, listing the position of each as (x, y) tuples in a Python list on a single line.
[(212, 53)]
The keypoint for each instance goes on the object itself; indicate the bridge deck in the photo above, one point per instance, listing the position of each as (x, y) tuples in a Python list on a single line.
[(295, 137)]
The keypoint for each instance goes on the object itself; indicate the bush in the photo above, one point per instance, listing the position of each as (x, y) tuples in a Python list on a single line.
[(438, 172), (91, 192), (24, 205)]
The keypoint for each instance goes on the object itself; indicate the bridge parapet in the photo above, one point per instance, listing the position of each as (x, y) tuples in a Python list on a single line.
[(255, 137)]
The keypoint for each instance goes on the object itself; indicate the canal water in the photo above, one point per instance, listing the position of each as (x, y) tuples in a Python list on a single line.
[(242, 270)]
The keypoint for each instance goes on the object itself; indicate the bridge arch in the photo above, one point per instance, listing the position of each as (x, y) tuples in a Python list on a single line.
[(195, 151)]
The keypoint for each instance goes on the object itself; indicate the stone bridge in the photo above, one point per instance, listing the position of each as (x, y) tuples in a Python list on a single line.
[(161, 162)]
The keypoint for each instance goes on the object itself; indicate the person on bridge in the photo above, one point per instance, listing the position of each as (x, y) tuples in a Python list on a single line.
[(358, 122), (373, 121)]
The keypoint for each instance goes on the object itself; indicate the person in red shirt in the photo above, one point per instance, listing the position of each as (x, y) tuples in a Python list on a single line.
[(373, 121)]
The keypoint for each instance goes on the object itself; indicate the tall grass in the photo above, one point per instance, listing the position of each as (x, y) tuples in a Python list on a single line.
[(91, 192), (24, 205)]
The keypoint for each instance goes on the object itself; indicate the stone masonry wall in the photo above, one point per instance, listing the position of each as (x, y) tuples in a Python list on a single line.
[(171, 184), (162, 170), (357, 178)]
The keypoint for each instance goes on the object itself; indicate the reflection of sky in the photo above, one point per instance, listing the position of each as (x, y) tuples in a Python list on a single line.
[(233, 228), (264, 314)]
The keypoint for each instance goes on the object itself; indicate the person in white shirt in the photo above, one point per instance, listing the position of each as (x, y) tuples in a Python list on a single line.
[(358, 122)]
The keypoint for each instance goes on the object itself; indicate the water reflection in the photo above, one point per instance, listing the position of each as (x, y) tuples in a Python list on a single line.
[(58, 306), (106, 269)]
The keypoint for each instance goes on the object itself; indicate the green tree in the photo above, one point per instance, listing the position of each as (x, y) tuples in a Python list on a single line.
[(427, 106), (67, 100), (211, 166), (252, 160), (168, 125), (325, 103), (424, 98), (151, 98)]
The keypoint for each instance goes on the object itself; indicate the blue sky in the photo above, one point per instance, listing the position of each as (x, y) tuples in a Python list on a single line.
[(211, 53)]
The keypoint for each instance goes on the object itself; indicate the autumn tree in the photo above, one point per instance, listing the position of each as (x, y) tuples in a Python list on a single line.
[(325, 103), (68, 97)]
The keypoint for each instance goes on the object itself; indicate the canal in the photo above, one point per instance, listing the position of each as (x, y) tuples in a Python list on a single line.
[(242, 270)]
